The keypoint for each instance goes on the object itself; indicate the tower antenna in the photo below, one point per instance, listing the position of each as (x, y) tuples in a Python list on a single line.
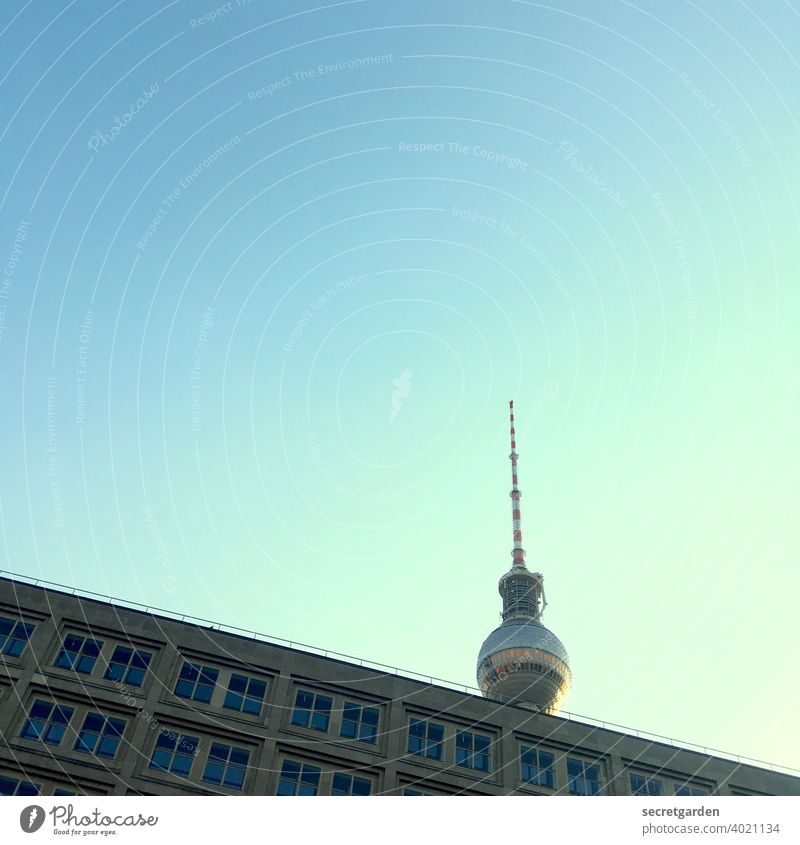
[(518, 553)]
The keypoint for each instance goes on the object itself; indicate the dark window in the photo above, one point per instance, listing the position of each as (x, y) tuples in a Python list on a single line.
[(472, 751), (641, 785), (538, 767), (425, 739), (312, 711), (12, 786), (128, 665), (409, 791), (64, 792), (298, 779), (226, 765), (47, 722), (14, 636), (688, 789), (344, 784), (78, 653), (245, 694), (100, 735), (584, 778), (196, 682), (174, 753), (359, 722)]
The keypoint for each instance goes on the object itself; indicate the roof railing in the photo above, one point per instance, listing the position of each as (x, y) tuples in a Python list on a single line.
[(386, 668)]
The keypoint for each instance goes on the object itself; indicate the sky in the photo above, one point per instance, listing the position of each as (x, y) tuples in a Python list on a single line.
[(273, 271)]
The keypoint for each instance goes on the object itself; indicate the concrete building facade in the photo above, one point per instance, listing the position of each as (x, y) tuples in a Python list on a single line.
[(99, 698)]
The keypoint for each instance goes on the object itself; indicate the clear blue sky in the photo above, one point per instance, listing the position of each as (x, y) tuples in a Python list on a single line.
[(271, 278)]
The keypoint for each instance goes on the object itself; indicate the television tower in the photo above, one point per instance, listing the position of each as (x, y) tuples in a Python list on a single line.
[(522, 660)]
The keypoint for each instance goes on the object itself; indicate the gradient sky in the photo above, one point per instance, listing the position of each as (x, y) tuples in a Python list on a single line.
[(256, 347)]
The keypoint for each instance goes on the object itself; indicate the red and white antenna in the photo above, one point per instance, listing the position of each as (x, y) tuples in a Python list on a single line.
[(518, 552)]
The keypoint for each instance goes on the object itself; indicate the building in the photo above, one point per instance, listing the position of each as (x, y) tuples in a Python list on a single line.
[(99, 698)]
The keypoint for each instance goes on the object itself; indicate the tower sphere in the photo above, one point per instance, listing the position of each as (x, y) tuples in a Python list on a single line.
[(524, 661)]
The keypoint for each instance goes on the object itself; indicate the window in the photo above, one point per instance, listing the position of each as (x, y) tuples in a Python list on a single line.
[(641, 785), (174, 753), (359, 722), (425, 739), (538, 767), (226, 765), (688, 789), (584, 778), (344, 784), (78, 653), (245, 694), (64, 792), (298, 779), (472, 751), (312, 711), (14, 636), (100, 735), (128, 665), (47, 722), (409, 791), (196, 682), (12, 786)]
